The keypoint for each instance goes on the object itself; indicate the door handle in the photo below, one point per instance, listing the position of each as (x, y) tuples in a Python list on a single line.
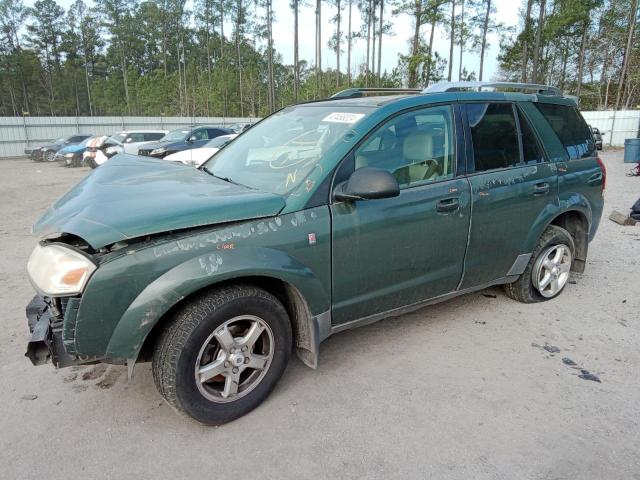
[(448, 205), (541, 188)]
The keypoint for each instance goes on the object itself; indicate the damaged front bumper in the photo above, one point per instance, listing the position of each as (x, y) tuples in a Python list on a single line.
[(46, 343)]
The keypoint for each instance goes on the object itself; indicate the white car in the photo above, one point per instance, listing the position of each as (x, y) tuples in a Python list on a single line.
[(197, 156), (128, 141)]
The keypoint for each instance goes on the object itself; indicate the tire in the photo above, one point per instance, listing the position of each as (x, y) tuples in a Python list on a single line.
[(50, 155), (193, 336), (526, 288), (92, 163)]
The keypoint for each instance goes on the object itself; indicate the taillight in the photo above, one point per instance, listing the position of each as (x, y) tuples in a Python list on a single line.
[(604, 173)]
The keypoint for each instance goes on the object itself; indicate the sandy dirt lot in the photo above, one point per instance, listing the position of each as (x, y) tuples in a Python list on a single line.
[(463, 389)]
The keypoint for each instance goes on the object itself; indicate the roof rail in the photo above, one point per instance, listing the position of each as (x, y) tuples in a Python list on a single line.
[(361, 92), (478, 86)]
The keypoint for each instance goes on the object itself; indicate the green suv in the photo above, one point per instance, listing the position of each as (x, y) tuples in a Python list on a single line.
[(322, 217)]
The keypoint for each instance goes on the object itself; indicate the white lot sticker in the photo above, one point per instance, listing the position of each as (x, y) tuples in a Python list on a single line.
[(343, 117)]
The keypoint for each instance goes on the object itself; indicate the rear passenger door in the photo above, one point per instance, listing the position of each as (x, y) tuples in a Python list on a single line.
[(512, 184)]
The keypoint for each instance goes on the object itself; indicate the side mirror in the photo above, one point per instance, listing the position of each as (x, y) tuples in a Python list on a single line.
[(191, 139), (368, 183)]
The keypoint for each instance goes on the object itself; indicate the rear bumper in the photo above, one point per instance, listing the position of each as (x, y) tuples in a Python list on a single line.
[(46, 342)]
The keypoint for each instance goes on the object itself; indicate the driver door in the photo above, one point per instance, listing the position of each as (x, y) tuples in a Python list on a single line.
[(394, 252)]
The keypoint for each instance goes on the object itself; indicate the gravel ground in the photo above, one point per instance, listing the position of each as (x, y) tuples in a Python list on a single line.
[(464, 389)]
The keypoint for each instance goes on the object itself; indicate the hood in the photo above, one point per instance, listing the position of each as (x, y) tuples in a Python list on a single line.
[(131, 196), (74, 148), (161, 143)]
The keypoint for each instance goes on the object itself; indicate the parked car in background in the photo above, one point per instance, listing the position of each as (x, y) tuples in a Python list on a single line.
[(129, 141), (93, 155), (197, 156), (323, 217), (241, 127), (182, 139), (48, 152), (597, 137), (71, 155)]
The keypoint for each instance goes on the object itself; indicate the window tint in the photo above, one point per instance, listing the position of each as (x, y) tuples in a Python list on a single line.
[(416, 147), (494, 135), (530, 147), (571, 129), (200, 134), (77, 139), (135, 137), (153, 136)]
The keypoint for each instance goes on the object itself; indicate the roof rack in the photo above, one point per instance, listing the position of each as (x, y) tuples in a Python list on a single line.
[(361, 92), (478, 86)]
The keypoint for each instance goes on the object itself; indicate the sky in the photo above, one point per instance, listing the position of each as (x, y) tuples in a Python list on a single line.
[(392, 45)]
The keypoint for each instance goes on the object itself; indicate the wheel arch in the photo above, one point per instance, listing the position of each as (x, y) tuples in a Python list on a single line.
[(577, 224), (307, 328)]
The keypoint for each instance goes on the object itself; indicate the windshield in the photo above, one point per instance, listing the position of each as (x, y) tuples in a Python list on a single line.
[(61, 140), (175, 135), (117, 138), (220, 141), (277, 154)]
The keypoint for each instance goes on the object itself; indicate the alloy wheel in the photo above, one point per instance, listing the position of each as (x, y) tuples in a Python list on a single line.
[(551, 270), (234, 358)]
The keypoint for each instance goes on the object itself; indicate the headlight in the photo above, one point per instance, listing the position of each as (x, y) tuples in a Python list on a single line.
[(57, 270), (158, 151), (68, 155)]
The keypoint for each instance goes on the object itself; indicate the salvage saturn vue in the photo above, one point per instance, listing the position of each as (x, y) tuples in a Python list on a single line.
[(322, 217)]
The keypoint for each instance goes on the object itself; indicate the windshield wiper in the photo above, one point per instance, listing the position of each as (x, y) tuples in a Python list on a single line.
[(226, 179)]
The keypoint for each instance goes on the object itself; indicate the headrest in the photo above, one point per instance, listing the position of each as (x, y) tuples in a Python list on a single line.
[(418, 147)]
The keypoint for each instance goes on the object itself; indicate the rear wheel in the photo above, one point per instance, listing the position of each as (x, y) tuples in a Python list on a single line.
[(223, 353), (548, 270)]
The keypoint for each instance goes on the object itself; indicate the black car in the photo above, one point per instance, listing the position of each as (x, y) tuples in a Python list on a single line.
[(597, 137), (48, 152), (182, 139)]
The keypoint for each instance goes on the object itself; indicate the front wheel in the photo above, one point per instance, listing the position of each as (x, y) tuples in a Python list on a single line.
[(548, 270), (223, 353), (50, 156)]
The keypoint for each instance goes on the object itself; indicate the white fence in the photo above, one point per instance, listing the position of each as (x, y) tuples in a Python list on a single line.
[(615, 126), (18, 134)]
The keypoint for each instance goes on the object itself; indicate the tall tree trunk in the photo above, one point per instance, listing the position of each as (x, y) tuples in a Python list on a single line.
[(538, 42), (461, 40), (415, 45), (485, 29), (373, 40), (349, 46), (239, 59), (525, 44), (338, 42), (221, 28), (124, 78), (430, 51), (296, 66), (272, 91), (380, 43), (453, 39), (318, 45), (628, 50), (583, 43), (366, 70)]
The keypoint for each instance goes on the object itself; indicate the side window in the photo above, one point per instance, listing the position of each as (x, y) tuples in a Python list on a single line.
[(494, 135), (530, 147), (200, 134), (135, 137), (416, 147), (570, 128), (153, 136)]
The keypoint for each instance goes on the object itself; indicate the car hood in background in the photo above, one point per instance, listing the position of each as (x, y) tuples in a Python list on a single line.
[(194, 156), (130, 197), (75, 148)]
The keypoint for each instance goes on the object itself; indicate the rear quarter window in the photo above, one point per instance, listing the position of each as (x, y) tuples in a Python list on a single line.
[(570, 128)]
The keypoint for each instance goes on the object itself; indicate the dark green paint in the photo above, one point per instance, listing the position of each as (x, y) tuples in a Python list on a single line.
[(369, 256)]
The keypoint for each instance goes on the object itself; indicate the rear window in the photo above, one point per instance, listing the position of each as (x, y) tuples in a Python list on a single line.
[(570, 128), (153, 136), (494, 135)]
